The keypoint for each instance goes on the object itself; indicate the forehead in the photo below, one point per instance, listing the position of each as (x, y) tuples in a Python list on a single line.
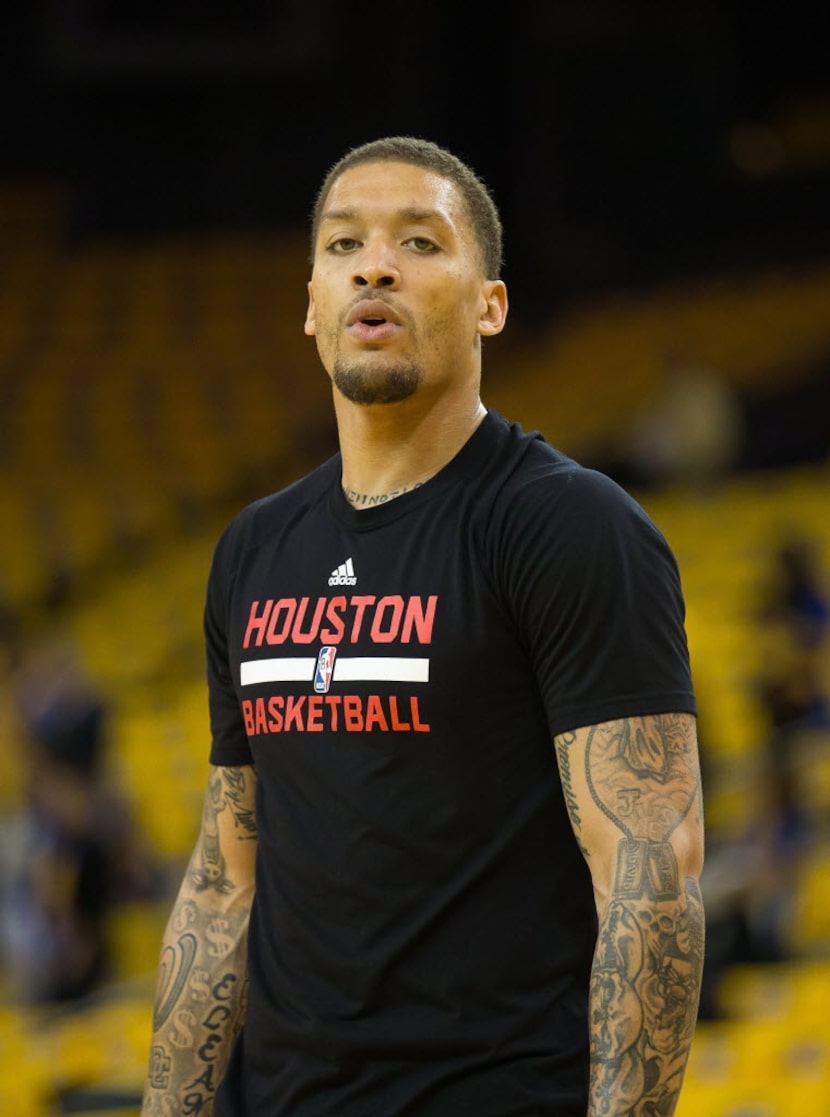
[(389, 188)]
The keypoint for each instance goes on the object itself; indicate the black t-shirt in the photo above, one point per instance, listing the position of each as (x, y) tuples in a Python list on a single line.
[(423, 927)]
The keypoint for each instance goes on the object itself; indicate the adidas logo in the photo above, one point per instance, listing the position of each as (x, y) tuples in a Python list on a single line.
[(343, 575)]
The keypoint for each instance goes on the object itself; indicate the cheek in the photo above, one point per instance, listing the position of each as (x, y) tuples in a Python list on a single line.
[(320, 300), (449, 322), (325, 340), (325, 326)]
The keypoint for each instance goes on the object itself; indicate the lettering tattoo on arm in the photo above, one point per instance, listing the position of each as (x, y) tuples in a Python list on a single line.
[(200, 1008), (642, 775), (201, 993), (226, 788), (563, 744)]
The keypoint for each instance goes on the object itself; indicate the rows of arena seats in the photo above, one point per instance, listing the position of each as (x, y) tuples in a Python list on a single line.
[(139, 385), (770, 1056), (147, 390)]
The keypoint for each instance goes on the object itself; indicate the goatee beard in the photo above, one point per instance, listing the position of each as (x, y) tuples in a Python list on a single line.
[(390, 386)]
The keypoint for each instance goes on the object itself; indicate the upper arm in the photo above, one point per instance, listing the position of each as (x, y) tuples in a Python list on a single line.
[(224, 858), (632, 789)]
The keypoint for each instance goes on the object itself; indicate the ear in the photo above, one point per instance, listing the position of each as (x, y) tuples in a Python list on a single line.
[(310, 327), (494, 308)]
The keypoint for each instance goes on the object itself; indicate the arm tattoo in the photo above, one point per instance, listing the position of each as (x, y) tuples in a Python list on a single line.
[(201, 1002), (226, 788), (644, 993), (202, 988), (563, 744), (642, 774), (244, 817)]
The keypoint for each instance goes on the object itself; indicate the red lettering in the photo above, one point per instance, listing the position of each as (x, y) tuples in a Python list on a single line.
[(360, 604), (395, 604), (294, 713), (316, 713), (334, 635), (393, 618), (375, 715), (352, 713), (297, 634), (247, 707), (333, 702), (275, 706), (398, 725), (314, 723), (418, 725), (257, 624), (419, 618), (288, 606)]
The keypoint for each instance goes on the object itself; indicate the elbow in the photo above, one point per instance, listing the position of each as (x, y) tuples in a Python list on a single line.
[(689, 847)]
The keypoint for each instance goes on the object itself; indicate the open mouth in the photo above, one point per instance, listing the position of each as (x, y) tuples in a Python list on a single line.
[(372, 312), (371, 319)]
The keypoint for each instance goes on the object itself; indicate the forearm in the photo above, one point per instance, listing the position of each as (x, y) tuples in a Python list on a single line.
[(199, 1007), (632, 787), (201, 994), (645, 986)]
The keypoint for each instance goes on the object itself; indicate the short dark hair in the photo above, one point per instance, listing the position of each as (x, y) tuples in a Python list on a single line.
[(476, 196)]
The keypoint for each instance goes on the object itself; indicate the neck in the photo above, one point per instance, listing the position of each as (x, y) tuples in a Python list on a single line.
[(390, 449)]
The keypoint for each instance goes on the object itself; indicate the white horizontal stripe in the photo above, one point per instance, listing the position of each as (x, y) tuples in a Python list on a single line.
[(277, 670), (390, 668), (349, 669)]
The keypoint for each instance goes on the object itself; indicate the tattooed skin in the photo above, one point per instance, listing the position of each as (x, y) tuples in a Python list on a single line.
[(368, 500), (642, 775), (571, 801), (201, 992), (639, 774)]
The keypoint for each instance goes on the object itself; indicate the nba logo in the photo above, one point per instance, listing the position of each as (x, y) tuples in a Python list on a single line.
[(325, 669)]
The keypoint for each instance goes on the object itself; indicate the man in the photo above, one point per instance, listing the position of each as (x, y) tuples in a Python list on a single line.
[(453, 733)]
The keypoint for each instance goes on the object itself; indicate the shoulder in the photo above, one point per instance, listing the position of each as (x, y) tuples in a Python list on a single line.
[(259, 520), (544, 489), (555, 526)]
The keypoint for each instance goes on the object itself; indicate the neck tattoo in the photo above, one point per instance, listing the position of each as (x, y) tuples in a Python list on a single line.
[(369, 500)]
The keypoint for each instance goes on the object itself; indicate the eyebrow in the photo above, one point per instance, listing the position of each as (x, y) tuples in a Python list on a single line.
[(408, 213)]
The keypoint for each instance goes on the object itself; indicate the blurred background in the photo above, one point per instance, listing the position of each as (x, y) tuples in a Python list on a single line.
[(663, 175)]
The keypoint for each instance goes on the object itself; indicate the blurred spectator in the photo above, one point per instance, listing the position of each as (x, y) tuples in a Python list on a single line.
[(795, 622), (750, 883), (691, 430), (79, 853)]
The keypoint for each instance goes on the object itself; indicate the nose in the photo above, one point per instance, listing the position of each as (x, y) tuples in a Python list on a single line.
[(376, 268)]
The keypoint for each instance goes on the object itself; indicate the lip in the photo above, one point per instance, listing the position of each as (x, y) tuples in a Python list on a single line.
[(372, 309)]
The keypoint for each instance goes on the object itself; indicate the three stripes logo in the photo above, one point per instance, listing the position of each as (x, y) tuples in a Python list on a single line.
[(343, 575)]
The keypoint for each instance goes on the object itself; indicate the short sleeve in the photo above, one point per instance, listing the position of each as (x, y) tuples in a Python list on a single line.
[(597, 595), (229, 741)]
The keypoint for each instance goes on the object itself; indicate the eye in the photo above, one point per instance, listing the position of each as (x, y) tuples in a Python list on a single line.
[(342, 244), (422, 244)]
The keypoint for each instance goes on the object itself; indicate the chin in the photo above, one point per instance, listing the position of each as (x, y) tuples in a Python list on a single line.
[(390, 385)]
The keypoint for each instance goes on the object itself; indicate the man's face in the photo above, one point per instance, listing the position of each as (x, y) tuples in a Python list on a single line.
[(397, 298)]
